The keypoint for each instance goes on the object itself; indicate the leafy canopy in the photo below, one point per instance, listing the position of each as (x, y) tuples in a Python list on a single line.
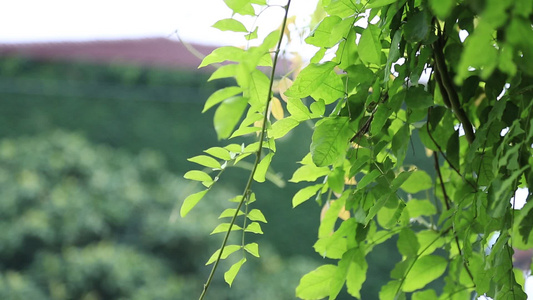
[(453, 77)]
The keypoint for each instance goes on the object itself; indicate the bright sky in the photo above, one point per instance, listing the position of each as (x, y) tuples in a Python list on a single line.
[(67, 20)]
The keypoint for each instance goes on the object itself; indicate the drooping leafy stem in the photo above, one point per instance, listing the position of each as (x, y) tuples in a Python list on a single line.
[(369, 103), (262, 135)]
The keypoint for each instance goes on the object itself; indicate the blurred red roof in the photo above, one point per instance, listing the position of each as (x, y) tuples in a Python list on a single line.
[(149, 52)]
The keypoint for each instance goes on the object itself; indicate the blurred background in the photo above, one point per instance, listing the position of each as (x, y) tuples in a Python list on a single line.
[(101, 107)]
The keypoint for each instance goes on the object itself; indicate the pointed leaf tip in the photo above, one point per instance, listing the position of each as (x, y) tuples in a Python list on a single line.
[(190, 202)]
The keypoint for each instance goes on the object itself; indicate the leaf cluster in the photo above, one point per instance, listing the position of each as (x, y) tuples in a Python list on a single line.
[(453, 76)]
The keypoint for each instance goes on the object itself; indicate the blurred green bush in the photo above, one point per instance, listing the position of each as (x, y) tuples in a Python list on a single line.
[(79, 221), (85, 222)]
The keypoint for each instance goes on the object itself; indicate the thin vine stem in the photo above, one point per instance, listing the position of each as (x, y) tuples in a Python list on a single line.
[(247, 189), (448, 207)]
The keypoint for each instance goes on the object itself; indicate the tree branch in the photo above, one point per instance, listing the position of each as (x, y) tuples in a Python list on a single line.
[(447, 89)]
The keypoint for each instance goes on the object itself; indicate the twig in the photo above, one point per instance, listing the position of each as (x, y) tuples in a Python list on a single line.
[(448, 206), (443, 154), (247, 189)]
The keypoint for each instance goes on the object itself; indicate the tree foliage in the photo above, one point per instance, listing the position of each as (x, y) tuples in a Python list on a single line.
[(451, 79)]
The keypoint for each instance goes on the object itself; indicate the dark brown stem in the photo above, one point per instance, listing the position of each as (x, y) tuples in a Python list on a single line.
[(447, 89)]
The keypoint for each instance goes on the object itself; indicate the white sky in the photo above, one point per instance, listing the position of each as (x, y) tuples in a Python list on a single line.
[(67, 20)]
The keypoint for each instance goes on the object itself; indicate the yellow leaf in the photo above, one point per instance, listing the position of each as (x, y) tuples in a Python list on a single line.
[(259, 124), (276, 108), (350, 181), (343, 213), (283, 85)]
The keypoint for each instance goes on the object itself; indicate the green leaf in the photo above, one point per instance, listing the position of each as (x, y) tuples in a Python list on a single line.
[(429, 241), (399, 180), (318, 109), (334, 246), (336, 179), (417, 27), (369, 47), (219, 152), (206, 161), (220, 96), (227, 53), (442, 8), (330, 139), (298, 110), (390, 290), (242, 7), (230, 275), (229, 213), (304, 194), (379, 3), (331, 89), (252, 35), (315, 284), (389, 215), (327, 223), (309, 79), (256, 215), (254, 227), (408, 243), (228, 250), (380, 118), (190, 202), (355, 265), (262, 167), (425, 270), (368, 178), (230, 25), (228, 115), (198, 176), (400, 142), (525, 220), (309, 173), (224, 227), (452, 150), (424, 295), (282, 127), (417, 98), (244, 131), (320, 36), (341, 8), (257, 90), (417, 208), (418, 181), (236, 199), (252, 248), (394, 54), (383, 199), (224, 71), (479, 53)]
